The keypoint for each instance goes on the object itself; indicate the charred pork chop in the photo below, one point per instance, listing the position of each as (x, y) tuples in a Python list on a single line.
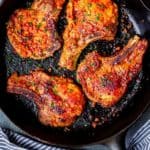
[(88, 20), (32, 32), (105, 79), (59, 101)]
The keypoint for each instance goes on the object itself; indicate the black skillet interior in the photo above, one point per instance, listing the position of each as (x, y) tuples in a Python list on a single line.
[(23, 112)]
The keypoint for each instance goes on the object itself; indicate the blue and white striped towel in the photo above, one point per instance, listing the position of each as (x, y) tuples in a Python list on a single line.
[(10, 140), (137, 138), (141, 139)]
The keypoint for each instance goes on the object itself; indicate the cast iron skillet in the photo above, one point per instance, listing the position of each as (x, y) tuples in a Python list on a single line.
[(22, 112)]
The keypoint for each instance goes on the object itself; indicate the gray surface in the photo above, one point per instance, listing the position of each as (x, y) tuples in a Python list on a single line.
[(6, 123)]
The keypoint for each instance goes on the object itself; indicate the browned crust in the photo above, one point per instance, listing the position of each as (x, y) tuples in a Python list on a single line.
[(59, 101), (88, 21), (105, 79), (32, 34)]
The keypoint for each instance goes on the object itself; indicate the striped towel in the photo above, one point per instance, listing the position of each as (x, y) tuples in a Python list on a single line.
[(137, 138), (141, 139), (10, 140)]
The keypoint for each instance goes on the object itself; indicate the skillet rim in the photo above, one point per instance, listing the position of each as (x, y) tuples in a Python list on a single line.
[(101, 141)]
